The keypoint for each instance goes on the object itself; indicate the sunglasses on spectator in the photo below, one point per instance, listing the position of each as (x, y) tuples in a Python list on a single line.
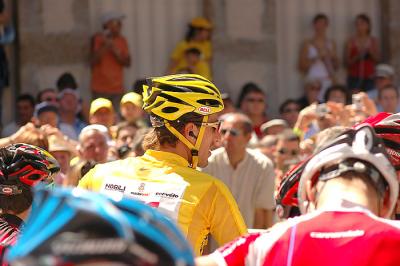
[(50, 99), (234, 132), (252, 100), (287, 151), (290, 110)]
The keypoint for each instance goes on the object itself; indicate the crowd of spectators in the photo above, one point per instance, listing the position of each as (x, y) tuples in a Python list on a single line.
[(254, 152)]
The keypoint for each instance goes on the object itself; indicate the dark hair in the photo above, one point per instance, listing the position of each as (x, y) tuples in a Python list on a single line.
[(340, 88), (388, 87), (124, 124), (286, 103), (40, 93), (47, 108), (66, 81), (193, 50), (320, 16), (17, 203), (26, 97), (162, 136), (246, 89), (138, 86), (364, 17), (191, 32)]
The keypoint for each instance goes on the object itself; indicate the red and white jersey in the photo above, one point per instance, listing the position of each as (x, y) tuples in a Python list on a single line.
[(348, 236), (9, 231)]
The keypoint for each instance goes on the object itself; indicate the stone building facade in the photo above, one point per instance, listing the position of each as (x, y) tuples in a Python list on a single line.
[(54, 37)]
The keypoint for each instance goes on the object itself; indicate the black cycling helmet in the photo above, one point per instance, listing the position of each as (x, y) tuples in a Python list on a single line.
[(24, 164)]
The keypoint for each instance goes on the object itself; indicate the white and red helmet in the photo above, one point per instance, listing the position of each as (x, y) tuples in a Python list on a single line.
[(358, 149), (387, 127)]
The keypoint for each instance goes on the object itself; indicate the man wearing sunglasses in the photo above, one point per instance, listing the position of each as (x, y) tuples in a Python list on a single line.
[(248, 173), (183, 110), (286, 153), (345, 192)]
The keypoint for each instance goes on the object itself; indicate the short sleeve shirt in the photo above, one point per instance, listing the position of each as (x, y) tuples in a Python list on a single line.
[(107, 74), (251, 183)]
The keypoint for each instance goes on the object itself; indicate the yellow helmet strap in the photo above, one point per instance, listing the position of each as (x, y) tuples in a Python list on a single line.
[(194, 149)]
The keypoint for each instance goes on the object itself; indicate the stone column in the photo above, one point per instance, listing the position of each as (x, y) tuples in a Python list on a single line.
[(54, 38), (244, 42), (390, 10)]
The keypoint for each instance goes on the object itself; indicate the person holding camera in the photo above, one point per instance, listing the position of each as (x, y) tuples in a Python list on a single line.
[(361, 55), (109, 55)]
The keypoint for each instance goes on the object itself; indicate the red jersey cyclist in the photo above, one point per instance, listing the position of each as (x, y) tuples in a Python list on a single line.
[(345, 191), (21, 167)]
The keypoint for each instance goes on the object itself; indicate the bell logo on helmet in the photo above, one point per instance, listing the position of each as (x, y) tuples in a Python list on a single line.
[(9, 190), (6, 191), (204, 109)]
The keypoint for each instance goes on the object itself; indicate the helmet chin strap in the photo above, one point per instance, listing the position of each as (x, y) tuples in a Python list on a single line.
[(194, 149)]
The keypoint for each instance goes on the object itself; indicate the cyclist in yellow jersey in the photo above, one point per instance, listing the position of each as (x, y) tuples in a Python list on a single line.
[(183, 110)]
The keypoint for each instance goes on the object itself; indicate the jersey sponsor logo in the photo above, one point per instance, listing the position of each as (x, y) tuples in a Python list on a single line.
[(167, 195), (342, 234), (140, 191), (204, 109), (115, 187), (141, 187), (135, 193)]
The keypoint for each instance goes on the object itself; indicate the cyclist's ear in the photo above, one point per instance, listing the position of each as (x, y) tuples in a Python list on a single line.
[(384, 203), (190, 132), (311, 196)]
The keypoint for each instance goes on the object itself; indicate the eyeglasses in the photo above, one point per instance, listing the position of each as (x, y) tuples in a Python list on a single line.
[(287, 151), (232, 131), (215, 125), (50, 99), (252, 100)]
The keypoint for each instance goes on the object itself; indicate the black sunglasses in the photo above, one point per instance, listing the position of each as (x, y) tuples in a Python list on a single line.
[(286, 151), (232, 131)]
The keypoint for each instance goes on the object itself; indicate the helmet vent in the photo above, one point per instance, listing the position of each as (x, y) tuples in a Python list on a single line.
[(209, 102), (170, 110)]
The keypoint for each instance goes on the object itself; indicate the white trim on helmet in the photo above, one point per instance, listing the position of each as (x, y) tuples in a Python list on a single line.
[(338, 153)]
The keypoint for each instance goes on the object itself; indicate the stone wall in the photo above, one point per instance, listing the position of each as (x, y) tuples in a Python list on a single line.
[(391, 30), (245, 45), (53, 38)]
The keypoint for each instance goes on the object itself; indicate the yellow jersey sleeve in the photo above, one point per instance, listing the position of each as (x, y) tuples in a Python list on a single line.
[(91, 181), (220, 214)]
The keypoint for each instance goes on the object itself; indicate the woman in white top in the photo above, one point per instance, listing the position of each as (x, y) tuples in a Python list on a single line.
[(318, 59)]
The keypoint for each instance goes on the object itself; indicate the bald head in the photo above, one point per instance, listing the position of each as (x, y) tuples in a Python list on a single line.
[(244, 120)]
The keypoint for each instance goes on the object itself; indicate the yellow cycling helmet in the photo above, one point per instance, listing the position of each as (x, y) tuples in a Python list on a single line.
[(170, 97)]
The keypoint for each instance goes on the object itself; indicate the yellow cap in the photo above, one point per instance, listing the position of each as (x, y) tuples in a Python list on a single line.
[(132, 97), (201, 22), (100, 103)]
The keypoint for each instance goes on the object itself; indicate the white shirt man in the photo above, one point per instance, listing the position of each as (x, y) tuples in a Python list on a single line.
[(247, 173)]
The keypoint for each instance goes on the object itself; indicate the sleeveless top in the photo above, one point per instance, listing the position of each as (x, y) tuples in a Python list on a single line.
[(364, 68), (318, 69)]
